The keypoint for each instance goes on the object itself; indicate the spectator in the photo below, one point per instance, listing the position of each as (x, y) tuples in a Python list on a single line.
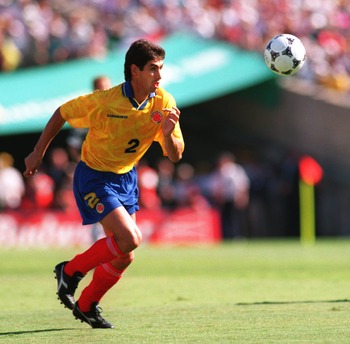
[(184, 184), (102, 82), (166, 187), (230, 191), (12, 185), (188, 192), (39, 192), (148, 183), (57, 168), (10, 55), (76, 136)]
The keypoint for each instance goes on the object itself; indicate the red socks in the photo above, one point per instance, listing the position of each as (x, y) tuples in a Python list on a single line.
[(104, 278), (102, 251)]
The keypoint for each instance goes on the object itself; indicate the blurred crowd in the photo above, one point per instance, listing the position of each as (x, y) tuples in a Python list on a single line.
[(253, 197), (36, 32)]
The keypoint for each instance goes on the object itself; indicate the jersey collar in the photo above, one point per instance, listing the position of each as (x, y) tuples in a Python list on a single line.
[(128, 92)]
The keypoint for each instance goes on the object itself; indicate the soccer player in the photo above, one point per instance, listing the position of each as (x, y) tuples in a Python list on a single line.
[(123, 122)]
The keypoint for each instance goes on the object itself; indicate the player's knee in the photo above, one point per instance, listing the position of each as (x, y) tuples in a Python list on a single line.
[(130, 240), (136, 238)]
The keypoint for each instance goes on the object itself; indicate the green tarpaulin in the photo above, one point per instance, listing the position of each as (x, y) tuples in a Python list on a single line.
[(196, 70)]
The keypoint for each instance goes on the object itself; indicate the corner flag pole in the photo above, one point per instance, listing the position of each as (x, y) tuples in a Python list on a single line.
[(310, 174), (307, 213)]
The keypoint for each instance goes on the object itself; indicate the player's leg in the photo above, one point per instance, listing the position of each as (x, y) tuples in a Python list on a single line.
[(123, 229), (97, 194), (105, 277), (126, 236)]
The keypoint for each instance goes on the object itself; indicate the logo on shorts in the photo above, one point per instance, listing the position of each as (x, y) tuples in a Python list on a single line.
[(100, 208), (156, 117)]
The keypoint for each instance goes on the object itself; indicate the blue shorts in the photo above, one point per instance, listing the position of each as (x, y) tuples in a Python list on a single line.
[(98, 193)]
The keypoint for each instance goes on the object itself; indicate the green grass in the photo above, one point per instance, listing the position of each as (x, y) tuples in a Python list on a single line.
[(243, 292)]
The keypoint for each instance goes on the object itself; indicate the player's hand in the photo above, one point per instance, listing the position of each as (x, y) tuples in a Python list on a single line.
[(171, 120), (32, 162)]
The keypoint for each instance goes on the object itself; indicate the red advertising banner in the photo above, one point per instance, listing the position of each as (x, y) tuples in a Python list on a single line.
[(60, 229)]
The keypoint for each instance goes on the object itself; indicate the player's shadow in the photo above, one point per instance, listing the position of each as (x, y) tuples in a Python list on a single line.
[(289, 302), (12, 333)]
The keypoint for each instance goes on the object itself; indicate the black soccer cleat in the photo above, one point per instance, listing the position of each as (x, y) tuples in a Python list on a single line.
[(93, 317), (66, 285)]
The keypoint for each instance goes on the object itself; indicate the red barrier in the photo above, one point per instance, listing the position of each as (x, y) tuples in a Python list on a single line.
[(59, 229)]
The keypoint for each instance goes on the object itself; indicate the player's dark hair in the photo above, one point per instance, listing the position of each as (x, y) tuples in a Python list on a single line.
[(139, 53)]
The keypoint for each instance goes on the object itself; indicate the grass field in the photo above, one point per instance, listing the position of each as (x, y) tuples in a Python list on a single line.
[(242, 292)]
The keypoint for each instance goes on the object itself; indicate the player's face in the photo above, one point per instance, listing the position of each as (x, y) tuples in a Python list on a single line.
[(149, 78)]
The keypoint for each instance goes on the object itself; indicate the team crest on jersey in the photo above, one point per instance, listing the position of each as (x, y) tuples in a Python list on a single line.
[(156, 117), (100, 208)]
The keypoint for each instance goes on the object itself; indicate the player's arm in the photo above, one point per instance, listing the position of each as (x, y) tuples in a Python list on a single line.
[(173, 146), (34, 159)]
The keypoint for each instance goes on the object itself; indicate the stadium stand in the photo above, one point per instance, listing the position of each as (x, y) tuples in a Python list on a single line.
[(49, 31)]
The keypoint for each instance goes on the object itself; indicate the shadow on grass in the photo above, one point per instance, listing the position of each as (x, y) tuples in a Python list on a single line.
[(289, 302), (34, 331)]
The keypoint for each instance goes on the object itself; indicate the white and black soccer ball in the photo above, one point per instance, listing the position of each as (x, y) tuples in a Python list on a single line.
[(285, 54)]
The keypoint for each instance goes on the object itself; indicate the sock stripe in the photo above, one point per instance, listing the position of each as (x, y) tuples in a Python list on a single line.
[(113, 247), (112, 271)]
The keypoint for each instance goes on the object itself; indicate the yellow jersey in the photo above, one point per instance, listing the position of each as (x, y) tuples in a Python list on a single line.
[(120, 129)]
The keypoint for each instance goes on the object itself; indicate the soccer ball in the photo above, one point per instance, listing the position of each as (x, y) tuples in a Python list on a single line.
[(285, 54)]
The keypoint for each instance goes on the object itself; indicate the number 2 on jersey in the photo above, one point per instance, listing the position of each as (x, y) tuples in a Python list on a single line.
[(133, 144)]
